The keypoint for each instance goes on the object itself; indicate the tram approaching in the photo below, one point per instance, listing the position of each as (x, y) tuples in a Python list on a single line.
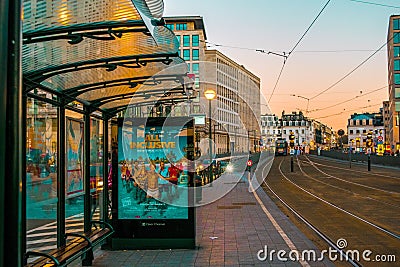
[(281, 146)]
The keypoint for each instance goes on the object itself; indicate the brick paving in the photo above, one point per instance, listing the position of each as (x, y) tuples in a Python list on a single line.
[(230, 232)]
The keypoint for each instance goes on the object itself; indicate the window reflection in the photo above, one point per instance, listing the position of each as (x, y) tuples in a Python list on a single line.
[(41, 174)]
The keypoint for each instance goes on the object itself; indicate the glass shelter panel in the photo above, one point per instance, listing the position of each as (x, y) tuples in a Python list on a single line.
[(74, 179), (41, 175), (96, 167)]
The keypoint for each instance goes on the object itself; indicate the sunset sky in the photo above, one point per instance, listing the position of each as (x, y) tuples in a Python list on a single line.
[(346, 34)]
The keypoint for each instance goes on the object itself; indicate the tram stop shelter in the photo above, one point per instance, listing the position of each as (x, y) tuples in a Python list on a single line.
[(68, 68)]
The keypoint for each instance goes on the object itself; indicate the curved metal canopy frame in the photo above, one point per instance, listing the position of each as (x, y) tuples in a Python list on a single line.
[(103, 62)]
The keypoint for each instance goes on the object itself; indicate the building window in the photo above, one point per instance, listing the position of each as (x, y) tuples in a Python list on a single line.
[(396, 78), (170, 26), (195, 40), (396, 38), (196, 83), (357, 131), (396, 92), (364, 131), (396, 24), (284, 131), (186, 54), (195, 68), (186, 40), (179, 39), (351, 131), (397, 64), (195, 54), (181, 27), (396, 51), (397, 107)]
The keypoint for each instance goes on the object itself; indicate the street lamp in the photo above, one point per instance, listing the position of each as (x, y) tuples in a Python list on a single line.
[(210, 94), (308, 101)]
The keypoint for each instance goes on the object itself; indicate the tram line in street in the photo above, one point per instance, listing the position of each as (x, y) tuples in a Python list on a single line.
[(366, 216)]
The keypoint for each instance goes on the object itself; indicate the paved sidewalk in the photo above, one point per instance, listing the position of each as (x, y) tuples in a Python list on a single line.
[(230, 232)]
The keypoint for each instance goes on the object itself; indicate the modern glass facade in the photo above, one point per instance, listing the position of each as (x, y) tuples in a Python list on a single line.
[(393, 37)]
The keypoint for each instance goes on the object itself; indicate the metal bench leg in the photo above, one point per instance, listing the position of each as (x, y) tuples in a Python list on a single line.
[(88, 258)]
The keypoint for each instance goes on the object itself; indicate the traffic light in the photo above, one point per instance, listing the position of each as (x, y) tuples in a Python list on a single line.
[(291, 139)]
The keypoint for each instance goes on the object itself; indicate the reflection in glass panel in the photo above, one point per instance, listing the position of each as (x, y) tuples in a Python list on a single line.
[(186, 40), (195, 68), (186, 54), (41, 175), (181, 27), (396, 65), (397, 78), (397, 51), (96, 168), (195, 54), (195, 40), (396, 38), (396, 24), (74, 179), (397, 92)]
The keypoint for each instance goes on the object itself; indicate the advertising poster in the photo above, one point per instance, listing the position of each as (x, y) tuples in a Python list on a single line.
[(74, 179), (152, 171)]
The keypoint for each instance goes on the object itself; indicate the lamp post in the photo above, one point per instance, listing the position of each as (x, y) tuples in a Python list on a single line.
[(210, 94), (308, 101)]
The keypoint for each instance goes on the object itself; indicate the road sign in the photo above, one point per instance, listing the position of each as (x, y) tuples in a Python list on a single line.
[(249, 163)]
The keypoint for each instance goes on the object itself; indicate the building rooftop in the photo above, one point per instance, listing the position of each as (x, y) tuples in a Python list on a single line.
[(198, 22)]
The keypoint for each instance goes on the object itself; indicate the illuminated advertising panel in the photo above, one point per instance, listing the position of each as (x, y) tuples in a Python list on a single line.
[(151, 196), (152, 165)]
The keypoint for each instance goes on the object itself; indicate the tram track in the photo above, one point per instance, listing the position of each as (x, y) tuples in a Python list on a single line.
[(345, 189), (345, 203), (328, 220), (351, 182), (339, 162)]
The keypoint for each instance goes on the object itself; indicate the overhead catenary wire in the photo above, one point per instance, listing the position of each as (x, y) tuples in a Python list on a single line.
[(294, 48), (266, 51), (345, 111), (373, 3), (351, 99), (354, 69)]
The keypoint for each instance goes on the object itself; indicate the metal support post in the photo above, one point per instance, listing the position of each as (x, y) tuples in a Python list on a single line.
[(369, 162), (61, 171), (210, 174), (105, 171), (11, 138), (87, 207), (291, 163)]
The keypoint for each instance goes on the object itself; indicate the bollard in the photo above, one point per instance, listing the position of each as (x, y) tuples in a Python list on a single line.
[(291, 163), (369, 162)]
